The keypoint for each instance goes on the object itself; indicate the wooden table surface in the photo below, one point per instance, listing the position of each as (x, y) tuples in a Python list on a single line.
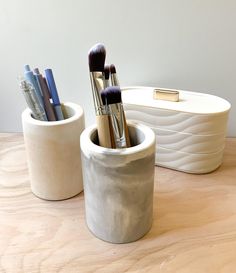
[(194, 227)]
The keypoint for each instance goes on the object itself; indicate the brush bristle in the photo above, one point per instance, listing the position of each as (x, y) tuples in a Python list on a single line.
[(112, 69), (111, 94), (97, 56), (107, 72)]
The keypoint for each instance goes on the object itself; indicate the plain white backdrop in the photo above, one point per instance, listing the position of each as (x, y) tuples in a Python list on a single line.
[(189, 45)]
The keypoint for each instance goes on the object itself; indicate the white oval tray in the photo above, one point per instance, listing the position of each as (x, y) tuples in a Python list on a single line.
[(188, 162), (195, 113), (190, 133), (189, 143)]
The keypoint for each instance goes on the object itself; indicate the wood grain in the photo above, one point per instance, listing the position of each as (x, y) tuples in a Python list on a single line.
[(194, 228)]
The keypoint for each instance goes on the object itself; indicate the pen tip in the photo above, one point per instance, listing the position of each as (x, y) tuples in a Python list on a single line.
[(36, 71), (26, 67)]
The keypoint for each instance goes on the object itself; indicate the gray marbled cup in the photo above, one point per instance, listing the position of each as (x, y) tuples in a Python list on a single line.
[(118, 185)]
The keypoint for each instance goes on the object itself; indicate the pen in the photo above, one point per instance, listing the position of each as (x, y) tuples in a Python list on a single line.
[(29, 76), (46, 98), (32, 100), (53, 91)]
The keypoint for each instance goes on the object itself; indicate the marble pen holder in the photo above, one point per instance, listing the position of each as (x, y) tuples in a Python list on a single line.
[(53, 153), (118, 185)]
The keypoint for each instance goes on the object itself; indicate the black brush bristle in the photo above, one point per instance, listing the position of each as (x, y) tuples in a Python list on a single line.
[(96, 57), (112, 69), (107, 72), (111, 94)]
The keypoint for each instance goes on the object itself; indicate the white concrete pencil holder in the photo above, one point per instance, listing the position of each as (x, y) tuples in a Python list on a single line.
[(118, 185), (53, 152)]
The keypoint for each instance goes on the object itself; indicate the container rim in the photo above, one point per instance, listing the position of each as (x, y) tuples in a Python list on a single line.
[(78, 113), (89, 145)]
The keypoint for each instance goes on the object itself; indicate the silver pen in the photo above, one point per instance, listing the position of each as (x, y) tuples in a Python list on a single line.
[(32, 100)]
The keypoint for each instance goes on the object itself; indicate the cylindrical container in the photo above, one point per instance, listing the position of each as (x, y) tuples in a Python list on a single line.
[(190, 133), (118, 185), (53, 152)]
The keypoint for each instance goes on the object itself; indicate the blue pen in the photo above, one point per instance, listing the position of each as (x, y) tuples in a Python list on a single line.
[(29, 76), (46, 98), (53, 90), (27, 68)]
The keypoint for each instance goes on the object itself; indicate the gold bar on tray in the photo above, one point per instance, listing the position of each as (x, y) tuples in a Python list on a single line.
[(165, 94)]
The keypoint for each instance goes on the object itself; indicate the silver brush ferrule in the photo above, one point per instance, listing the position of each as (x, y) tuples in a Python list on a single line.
[(97, 83), (116, 113), (114, 80), (106, 83)]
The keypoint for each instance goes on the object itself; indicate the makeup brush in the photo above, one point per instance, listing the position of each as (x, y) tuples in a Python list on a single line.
[(111, 97), (114, 79), (96, 59), (107, 75)]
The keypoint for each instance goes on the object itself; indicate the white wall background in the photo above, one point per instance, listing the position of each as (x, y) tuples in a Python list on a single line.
[(181, 44)]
